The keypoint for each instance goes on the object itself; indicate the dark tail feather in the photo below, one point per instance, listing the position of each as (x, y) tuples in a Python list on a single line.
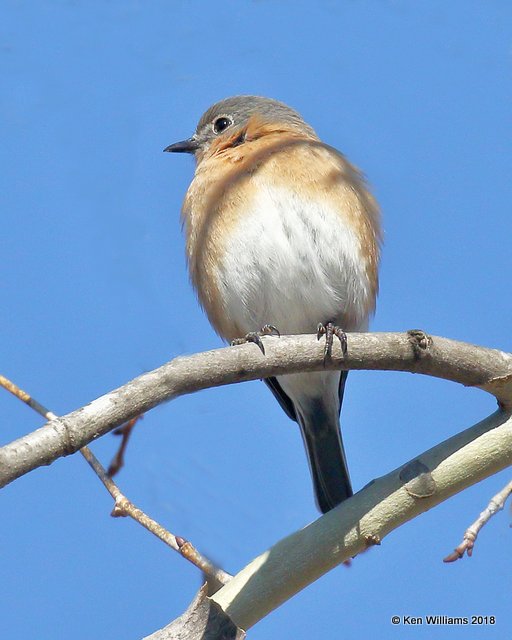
[(322, 437)]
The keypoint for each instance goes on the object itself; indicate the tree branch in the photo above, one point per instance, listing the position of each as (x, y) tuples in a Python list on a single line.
[(488, 369), (496, 503), (123, 506), (362, 521), (366, 518)]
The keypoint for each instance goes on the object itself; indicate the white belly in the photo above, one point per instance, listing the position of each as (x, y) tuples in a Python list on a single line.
[(293, 263)]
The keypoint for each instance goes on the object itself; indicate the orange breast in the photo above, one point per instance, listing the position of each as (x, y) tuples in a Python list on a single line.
[(224, 186)]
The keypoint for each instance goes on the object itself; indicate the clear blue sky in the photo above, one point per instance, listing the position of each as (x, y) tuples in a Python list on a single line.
[(94, 291)]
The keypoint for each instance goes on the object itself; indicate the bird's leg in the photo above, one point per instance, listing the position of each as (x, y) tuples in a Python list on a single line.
[(330, 330), (255, 336)]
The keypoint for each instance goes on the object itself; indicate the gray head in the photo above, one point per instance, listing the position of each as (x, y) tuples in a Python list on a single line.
[(232, 114)]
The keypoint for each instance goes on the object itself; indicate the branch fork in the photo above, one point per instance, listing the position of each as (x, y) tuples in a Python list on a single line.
[(363, 520)]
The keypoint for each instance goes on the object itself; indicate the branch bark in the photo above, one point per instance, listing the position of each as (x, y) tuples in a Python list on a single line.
[(488, 369), (364, 520), (125, 507)]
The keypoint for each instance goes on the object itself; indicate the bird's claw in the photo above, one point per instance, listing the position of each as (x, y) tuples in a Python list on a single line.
[(255, 336), (270, 330), (330, 330)]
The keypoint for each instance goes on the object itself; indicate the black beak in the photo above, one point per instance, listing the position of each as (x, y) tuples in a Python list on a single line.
[(185, 146)]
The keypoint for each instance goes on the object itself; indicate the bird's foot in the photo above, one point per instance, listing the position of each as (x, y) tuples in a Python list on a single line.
[(255, 336), (330, 330)]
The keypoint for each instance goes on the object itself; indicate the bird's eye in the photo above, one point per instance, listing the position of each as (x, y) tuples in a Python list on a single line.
[(221, 124)]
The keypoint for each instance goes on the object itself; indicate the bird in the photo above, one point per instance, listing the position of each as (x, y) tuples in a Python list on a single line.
[(282, 232)]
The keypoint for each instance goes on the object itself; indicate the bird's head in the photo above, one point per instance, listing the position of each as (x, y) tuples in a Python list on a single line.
[(227, 124)]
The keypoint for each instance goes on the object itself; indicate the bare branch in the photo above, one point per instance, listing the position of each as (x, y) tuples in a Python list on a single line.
[(416, 352), (123, 506), (362, 521), (495, 505), (203, 620), (366, 518), (124, 431)]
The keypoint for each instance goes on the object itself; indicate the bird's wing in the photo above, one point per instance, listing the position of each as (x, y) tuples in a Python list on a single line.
[(287, 405), (281, 397)]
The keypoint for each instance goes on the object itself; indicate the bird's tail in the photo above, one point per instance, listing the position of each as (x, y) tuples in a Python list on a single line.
[(320, 427)]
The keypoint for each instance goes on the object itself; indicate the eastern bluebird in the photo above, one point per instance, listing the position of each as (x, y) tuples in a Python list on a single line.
[(282, 231)]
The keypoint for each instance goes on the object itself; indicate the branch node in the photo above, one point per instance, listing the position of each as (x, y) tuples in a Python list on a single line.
[(119, 510), (180, 541), (203, 620), (187, 550), (420, 342), (61, 427), (466, 546), (372, 539), (417, 479), (496, 504)]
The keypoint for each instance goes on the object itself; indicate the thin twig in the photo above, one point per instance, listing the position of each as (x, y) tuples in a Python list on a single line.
[(123, 506), (125, 431), (24, 397), (496, 504)]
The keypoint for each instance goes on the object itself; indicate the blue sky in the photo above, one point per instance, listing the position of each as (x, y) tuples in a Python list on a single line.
[(94, 291)]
